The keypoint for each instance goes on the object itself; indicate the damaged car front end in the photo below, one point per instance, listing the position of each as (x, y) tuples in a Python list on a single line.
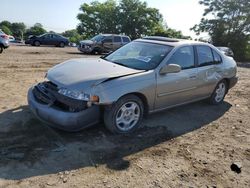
[(61, 110), (67, 99)]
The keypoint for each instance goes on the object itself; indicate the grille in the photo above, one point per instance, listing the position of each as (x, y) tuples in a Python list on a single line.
[(47, 93)]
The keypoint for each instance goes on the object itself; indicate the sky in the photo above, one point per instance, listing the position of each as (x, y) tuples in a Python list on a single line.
[(60, 15)]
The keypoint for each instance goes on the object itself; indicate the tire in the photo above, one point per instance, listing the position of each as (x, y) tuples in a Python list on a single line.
[(96, 51), (37, 43), (219, 93), (61, 44), (1, 49), (125, 115)]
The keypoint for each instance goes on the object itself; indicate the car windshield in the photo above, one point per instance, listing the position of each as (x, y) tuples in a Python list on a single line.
[(97, 38), (139, 55), (42, 35)]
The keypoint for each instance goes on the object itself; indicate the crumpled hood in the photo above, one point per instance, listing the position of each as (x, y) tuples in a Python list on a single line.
[(84, 73), (89, 42)]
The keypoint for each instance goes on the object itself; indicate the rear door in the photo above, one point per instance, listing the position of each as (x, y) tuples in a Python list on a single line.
[(117, 42), (208, 72), (178, 88)]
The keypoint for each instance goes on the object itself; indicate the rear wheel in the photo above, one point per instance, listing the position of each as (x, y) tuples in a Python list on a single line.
[(1, 49), (219, 93), (37, 43), (125, 115)]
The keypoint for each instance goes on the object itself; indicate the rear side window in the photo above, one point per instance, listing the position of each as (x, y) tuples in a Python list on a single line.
[(184, 57), (117, 39), (125, 39), (205, 56), (217, 57), (108, 40)]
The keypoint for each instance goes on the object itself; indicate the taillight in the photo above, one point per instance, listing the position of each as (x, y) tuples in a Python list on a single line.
[(4, 36)]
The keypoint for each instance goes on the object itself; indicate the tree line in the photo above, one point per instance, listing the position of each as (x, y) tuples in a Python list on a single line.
[(130, 17), (228, 24), (226, 21)]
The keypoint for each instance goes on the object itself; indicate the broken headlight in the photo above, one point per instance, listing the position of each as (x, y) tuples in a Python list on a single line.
[(79, 95)]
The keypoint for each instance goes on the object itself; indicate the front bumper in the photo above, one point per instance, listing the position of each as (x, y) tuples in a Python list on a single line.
[(6, 44), (68, 121), (233, 81), (84, 49)]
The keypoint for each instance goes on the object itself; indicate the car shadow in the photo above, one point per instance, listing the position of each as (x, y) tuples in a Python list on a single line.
[(30, 148)]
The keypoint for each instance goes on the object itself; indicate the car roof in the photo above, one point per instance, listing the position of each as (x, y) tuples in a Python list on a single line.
[(170, 41), (106, 35)]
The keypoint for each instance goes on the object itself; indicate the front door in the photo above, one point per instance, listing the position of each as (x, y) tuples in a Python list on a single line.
[(177, 88), (108, 44)]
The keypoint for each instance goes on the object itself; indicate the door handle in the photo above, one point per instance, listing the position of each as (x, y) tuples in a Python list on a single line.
[(193, 77)]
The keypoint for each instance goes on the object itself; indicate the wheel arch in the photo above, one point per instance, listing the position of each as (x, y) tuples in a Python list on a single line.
[(227, 82), (143, 99)]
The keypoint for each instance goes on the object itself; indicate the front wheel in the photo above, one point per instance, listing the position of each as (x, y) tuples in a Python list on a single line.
[(61, 44), (37, 43), (219, 93), (1, 49), (96, 51), (125, 115)]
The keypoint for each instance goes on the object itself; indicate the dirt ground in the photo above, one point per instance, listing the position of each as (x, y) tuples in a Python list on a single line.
[(189, 146)]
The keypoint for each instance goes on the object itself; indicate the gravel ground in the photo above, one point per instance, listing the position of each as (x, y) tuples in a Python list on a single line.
[(189, 146)]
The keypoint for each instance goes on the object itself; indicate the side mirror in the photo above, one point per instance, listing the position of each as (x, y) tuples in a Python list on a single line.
[(171, 68)]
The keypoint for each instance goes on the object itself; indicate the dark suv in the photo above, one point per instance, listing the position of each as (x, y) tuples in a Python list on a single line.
[(103, 43)]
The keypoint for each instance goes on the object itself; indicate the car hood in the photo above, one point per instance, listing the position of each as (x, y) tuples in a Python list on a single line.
[(80, 74), (90, 42)]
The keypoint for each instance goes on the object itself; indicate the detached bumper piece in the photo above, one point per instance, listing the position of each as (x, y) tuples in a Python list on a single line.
[(59, 111)]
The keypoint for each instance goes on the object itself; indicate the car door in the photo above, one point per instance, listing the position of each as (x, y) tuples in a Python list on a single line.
[(46, 39), (53, 40), (208, 72), (108, 43), (177, 88), (117, 42)]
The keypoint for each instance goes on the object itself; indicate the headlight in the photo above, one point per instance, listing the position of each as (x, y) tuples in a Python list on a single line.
[(74, 94), (79, 95), (88, 47)]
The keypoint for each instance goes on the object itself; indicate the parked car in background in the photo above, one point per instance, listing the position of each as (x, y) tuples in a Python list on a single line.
[(48, 39), (144, 76), (4, 41), (226, 50), (103, 43), (11, 38)]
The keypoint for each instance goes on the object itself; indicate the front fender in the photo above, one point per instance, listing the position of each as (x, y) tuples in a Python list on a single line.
[(143, 83)]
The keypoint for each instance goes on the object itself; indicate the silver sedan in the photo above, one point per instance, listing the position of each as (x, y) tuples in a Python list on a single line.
[(144, 76)]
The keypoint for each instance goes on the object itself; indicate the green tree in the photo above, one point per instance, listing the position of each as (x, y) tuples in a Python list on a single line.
[(131, 17), (5, 29), (137, 19), (98, 18), (37, 29), (18, 30), (73, 35), (5, 26), (229, 25), (171, 33)]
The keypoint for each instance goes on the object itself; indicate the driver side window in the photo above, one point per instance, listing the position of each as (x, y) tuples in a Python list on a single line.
[(184, 57)]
